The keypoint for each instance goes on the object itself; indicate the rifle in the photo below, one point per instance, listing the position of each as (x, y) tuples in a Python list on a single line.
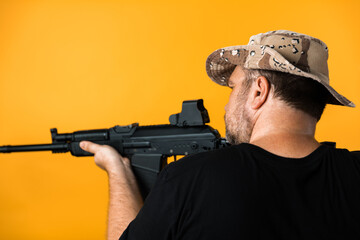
[(147, 147)]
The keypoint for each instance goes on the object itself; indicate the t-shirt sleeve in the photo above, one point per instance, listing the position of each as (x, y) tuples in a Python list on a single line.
[(156, 218), (356, 158), (356, 154)]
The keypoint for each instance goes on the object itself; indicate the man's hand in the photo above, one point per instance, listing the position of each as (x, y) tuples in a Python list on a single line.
[(125, 199), (107, 158)]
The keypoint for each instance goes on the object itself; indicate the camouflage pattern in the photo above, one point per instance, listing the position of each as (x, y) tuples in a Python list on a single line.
[(282, 51)]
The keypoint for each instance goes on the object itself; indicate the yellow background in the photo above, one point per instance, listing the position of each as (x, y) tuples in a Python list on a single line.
[(79, 65)]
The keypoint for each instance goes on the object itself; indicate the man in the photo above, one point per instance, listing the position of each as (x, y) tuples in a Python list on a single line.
[(275, 182)]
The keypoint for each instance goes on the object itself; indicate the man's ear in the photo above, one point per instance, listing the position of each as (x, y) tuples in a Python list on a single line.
[(259, 92)]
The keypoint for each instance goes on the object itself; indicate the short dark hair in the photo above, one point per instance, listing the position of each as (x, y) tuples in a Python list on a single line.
[(298, 92)]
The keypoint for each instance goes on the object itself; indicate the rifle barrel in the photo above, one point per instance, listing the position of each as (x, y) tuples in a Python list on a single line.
[(61, 147)]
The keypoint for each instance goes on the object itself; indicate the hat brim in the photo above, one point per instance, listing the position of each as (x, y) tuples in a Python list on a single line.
[(221, 63)]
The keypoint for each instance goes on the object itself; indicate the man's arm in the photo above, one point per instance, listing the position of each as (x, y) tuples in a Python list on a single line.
[(125, 200)]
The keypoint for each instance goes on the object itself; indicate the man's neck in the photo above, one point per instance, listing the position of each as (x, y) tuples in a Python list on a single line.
[(284, 131)]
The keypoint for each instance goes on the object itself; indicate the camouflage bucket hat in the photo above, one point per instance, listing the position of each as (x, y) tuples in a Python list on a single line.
[(282, 51)]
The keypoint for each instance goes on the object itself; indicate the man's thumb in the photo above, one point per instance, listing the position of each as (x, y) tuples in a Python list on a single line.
[(89, 146)]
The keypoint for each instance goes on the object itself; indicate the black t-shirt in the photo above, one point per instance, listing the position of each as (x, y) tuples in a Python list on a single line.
[(245, 192)]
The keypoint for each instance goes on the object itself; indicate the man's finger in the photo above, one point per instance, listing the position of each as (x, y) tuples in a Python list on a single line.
[(89, 146)]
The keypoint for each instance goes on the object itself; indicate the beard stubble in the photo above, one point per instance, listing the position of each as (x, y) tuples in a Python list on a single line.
[(238, 124)]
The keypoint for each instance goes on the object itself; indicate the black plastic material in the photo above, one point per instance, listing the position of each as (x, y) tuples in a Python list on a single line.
[(193, 113)]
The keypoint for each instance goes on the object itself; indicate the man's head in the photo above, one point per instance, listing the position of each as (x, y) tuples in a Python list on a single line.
[(252, 88), (288, 66)]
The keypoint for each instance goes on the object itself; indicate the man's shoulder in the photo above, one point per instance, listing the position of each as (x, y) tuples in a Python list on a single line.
[(345, 153), (350, 158), (215, 160), (356, 154)]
